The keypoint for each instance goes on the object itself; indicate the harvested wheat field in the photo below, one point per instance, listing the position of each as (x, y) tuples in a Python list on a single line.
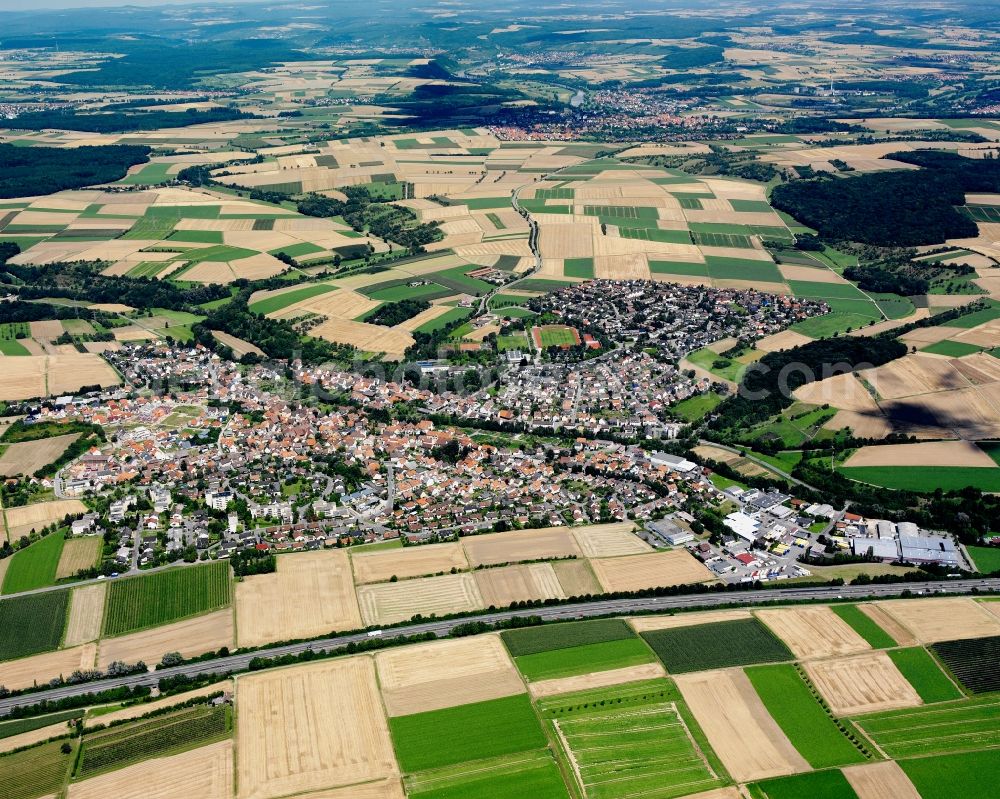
[(597, 679), (738, 726), (77, 554), (388, 603), (784, 340), (882, 780), (23, 377), (311, 727), (935, 619), (21, 521), (897, 631), (27, 457), (86, 612), (419, 561), (513, 547), (499, 587), (68, 373), (135, 711), (813, 632), (652, 570), (310, 594), (865, 683), (939, 453), (642, 624), (576, 577), (204, 773), (388, 788), (609, 540), (13, 742), (190, 637), (843, 391), (23, 673), (443, 674), (237, 345)]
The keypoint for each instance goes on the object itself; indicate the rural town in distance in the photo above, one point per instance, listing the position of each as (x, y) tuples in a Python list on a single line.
[(450, 400)]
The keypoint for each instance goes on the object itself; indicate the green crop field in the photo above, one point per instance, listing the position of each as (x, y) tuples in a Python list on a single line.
[(136, 603), (721, 268), (973, 775), (695, 408), (578, 267), (814, 785), (722, 240), (656, 234), (584, 659), (812, 731), (456, 279), (631, 741), (468, 732), (445, 319), (119, 746), (925, 478), (34, 567), (864, 626), (9, 728), (279, 301), (32, 623), (973, 661), (679, 268), (716, 646), (33, 772), (966, 725), (752, 206), (427, 291), (924, 674), (527, 774), (987, 558), (549, 637), (953, 349), (988, 314)]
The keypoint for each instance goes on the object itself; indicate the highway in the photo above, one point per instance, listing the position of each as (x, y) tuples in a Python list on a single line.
[(623, 607)]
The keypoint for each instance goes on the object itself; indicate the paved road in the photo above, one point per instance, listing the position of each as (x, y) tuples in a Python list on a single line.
[(582, 610)]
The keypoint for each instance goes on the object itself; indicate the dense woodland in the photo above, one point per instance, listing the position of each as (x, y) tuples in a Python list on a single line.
[(124, 122), (365, 212), (889, 209), (30, 171), (276, 337), (394, 313)]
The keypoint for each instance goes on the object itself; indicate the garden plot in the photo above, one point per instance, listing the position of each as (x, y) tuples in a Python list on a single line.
[(862, 684), (287, 740), (652, 570), (388, 603), (375, 567), (746, 739), (942, 619), (310, 594), (813, 632), (424, 677)]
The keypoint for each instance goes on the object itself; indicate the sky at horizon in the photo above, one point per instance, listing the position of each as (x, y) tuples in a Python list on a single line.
[(53, 5)]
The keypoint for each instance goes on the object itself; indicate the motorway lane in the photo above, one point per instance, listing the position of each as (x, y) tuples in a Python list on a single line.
[(621, 607)]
